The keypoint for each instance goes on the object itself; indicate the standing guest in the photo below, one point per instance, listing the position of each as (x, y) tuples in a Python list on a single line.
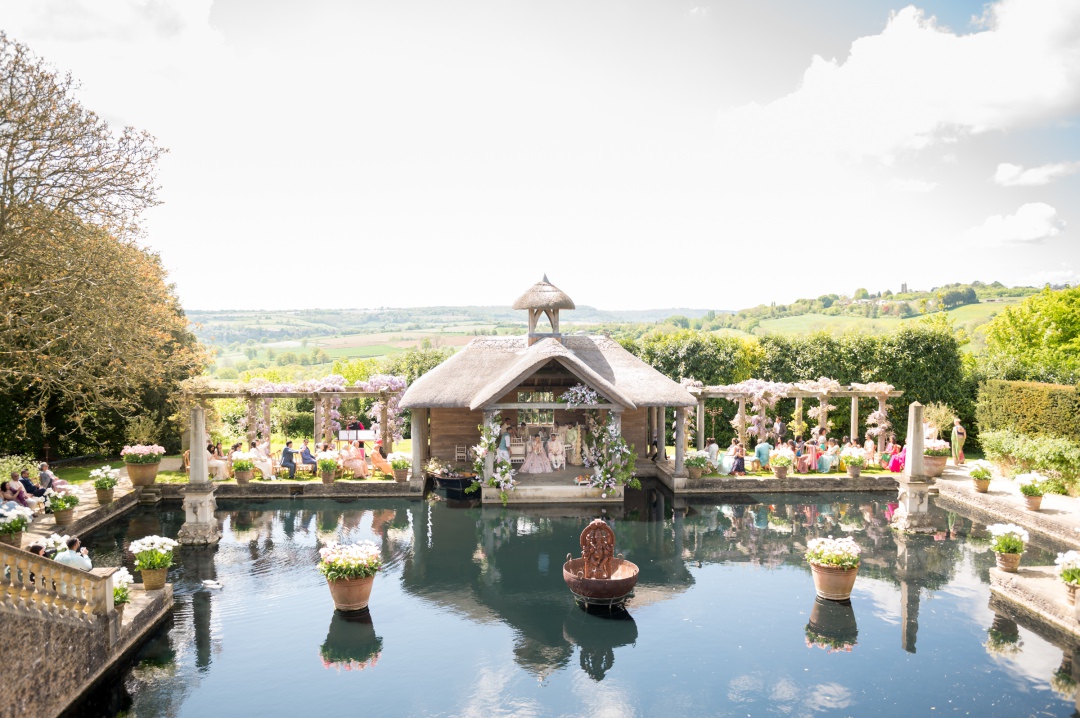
[(573, 438), (76, 556), (779, 430), (714, 452), (870, 449), (957, 440), (503, 452), (306, 457), (288, 459), (28, 484), (738, 464)]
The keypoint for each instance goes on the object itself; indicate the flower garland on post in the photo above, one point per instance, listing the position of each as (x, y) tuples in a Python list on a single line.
[(502, 475), (605, 450), (823, 387), (877, 424), (393, 386)]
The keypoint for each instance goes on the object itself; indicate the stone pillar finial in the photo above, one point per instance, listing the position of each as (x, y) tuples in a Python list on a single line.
[(916, 442)]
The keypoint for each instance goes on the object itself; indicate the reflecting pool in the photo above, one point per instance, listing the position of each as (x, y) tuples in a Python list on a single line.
[(470, 616)]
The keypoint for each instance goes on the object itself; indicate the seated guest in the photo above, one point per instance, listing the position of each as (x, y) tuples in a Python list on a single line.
[(831, 458), (896, 464), (378, 459), (288, 459), (306, 457), (9, 496), (15, 492), (762, 452), (76, 556), (216, 466), (261, 460), (808, 460), (714, 452), (354, 460), (556, 452), (28, 484)]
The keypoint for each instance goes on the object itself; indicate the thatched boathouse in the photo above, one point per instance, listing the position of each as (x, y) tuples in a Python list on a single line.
[(521, 378)]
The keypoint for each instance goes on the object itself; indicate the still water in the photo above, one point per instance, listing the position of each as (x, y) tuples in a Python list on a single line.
[(470, 616)]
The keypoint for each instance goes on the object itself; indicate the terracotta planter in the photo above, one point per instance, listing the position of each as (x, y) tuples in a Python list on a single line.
[(981, 485), (1070, 593), (1008, 562), (780, 472), (1033, 503), (934, 465), (65, 517), (142, 474), (327, 477), (854, 471), (351, 594), (154, 578), (242, 477), (13, 539), (104, 496), (120, 612), (832, 583), (694, 471), (401, 475)]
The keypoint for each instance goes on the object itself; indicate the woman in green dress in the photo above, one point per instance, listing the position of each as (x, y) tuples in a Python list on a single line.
[(957, 439)]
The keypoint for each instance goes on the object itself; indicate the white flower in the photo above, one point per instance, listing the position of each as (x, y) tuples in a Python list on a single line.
[(1031, 478), (122, 578), (153, 543), (1007, 529)]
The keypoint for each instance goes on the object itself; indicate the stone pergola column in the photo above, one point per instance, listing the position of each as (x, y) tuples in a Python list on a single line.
[(251, 420), (326, 428), (742, 420), (385, 433), (419, 443), (881, 437), (854, 417), (200, 525), (317, 430), (266, 419), (680, 441), (660, 432), (700, 423), (823, 415), (799, 414)]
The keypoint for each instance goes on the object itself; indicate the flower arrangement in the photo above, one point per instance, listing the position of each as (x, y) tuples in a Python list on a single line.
[(153, 552), (121, 581), (580, 395), (607, 452), (15, 519), (326, 461), (142, 454), (435, 465), (697, 459), (936, 447), (1032, 484), (55, 543), (489, 442), (105, 478), (840, 553), (399, 461), (61, 500), (242, 461), (1007, 538), (781, 457), (358, 560), (502, 478), (1068, 564), (853, 457)]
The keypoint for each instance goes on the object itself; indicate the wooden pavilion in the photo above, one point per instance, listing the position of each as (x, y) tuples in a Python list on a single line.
[(521, 377)]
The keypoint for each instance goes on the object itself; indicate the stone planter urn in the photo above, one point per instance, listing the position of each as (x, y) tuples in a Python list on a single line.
[(401, 475), (243, 477), (854, 471), (834, 583), (104, 496), (780, 472), (120, 613), (12, 539), (351, 594), (1008, 562), (142, 474), (981, 485), (934, 465), (154, 578), (1033, 503), (65, 517), (694, 472)]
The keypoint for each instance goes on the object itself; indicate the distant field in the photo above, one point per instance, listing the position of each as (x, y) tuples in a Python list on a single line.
[(363, 352), (968, 317)]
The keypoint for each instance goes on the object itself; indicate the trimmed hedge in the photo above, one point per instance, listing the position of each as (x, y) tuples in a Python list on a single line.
[(1030, 408), (1016, 453)]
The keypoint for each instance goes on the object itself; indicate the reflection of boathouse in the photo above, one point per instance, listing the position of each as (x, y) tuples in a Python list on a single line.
[(521, 378)]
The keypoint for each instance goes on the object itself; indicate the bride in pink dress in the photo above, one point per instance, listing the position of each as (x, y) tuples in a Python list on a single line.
[(536, 460)]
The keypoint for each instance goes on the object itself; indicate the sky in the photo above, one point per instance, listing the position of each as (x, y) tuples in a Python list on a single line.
[(700, 153)]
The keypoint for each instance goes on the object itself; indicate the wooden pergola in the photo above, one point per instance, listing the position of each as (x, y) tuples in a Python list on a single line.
[(731, 393)]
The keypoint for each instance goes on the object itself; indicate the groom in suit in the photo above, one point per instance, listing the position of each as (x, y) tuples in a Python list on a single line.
[(288, 459)]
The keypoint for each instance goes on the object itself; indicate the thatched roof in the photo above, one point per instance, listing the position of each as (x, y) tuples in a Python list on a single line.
[(544, 295), (489, 367)]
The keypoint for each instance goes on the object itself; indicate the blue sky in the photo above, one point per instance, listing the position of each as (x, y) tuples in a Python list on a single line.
[(710, 154)]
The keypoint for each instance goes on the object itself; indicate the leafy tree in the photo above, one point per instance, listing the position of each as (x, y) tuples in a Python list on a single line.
[(705, 357), (1037, 340), (415, 362), (861, 293)]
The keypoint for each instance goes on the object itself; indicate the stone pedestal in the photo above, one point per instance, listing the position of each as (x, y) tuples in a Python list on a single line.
[(913, 514), (200, 525)]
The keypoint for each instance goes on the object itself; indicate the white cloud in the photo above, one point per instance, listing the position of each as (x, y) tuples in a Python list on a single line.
[(1009, 175), (1033, 222), (1065, 275), (911, 185)]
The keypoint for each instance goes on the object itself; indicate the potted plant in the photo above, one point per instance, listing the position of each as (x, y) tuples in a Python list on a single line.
[(153, 556), (854, 459), (400, 463), (350, 573), (980, 475), (1068, 566), (935, 454), (327, 465), (62, 504), (243, 467), (1032, 486), (780, 462), (121, 581), (105, 480), (13, 521), (834, 564), (142, 462), (1008, 543), (696, 462)]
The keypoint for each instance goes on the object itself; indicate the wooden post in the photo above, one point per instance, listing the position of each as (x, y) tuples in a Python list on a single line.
[(799, 414), (854, 417), (700, 423), (680, 440), (489, 460), (616, 413), (200, 471), (385, 433), (661, 433), (742, 421), (419, 416), (881, 437)]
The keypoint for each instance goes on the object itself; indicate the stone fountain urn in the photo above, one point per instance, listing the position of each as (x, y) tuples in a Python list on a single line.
[(599, 577)]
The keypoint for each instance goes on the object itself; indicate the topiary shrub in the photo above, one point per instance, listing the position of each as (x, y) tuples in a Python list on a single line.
[(1029, 408)]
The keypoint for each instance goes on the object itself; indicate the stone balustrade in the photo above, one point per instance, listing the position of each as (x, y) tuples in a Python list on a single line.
[(33, 583)]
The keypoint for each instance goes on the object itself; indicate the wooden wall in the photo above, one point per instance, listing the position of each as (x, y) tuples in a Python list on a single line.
[(634, 430), (451, 427)]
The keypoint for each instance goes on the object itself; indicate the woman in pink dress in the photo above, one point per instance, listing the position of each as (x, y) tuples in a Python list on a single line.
[(897, 463), (354, 460), (536, 459)]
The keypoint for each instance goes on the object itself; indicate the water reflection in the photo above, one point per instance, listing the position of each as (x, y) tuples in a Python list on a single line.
[(597, 634), (832, 626), (351, 643)]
